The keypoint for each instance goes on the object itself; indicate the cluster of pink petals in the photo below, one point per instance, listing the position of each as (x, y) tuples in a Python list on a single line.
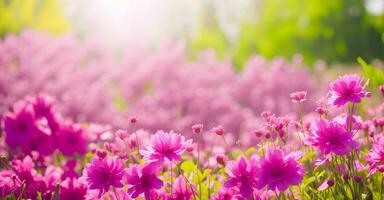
[(24, 181), (102, 174), (279, 170), (298, 96), (33, 121), (347, 88), (242, 174), (375, 156), (165, 146), (330, 136), (143, 179), (276, 170), (91, 86)]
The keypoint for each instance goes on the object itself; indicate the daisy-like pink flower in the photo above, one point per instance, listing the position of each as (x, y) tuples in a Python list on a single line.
[(181, 191), (298, 96), (347, 88), (242, 175), (101, 174), (279, 170), (165, 145), (143, 179), (330, 136), (375, 156)]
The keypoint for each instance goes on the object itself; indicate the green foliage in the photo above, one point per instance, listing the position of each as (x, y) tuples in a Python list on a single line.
[(337, 31), (44, 15), (374, 75), (187, 166)]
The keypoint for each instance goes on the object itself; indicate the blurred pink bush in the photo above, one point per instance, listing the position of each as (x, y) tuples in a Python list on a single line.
[(163, 88)]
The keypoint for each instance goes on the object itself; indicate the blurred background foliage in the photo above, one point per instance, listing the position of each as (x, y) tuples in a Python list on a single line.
[(337, 31), (43, 15)]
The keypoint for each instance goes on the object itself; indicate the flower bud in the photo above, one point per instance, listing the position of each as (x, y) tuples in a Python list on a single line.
[(220, 158), (218, 130), (133, 119), (357, 179), (197, 128), (101, 153)]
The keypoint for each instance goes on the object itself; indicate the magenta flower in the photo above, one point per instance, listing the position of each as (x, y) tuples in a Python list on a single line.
[(42, 105), (165, 145), (298, 96), (19, 127), (181, 191), (102, 174), (347, 88), (330, 136), (9, 183), (143, 179), (242, 174), (73, 189), (71, 139), (34, 182), (279, 170)]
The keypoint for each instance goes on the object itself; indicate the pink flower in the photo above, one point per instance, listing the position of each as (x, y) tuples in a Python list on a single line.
[(72, 188), (143, 179), (375, 156), (71, 139), (298, 96), (102, 174), (279, 170), (242, 174), (325, 184), (197, 128), (9, 183), (347, 120), (330, 136), (381, 89), (20, 127), (165, 145), (218, 130), (34, 182), (347, 88), (181, 191), (42, 105), (225, 194)]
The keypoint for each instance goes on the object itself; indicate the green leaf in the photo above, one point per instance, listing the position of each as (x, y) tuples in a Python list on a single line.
[(187, 166), (307, 156), (205, 174), (308, 181), (375, 75)]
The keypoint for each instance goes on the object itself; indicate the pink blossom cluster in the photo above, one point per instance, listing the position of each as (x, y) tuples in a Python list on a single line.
[(34, 125), (332, 155), (94, 84)]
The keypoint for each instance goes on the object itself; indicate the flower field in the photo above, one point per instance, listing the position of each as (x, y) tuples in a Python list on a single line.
[(81, 122)]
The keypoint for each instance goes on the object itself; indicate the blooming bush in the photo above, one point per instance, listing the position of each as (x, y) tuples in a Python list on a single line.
[(156, 126), (91, 83), (334, 155)]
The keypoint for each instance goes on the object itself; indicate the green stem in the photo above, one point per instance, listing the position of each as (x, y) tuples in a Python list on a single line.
[(138, 147), (171, 179), (198, 164)]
